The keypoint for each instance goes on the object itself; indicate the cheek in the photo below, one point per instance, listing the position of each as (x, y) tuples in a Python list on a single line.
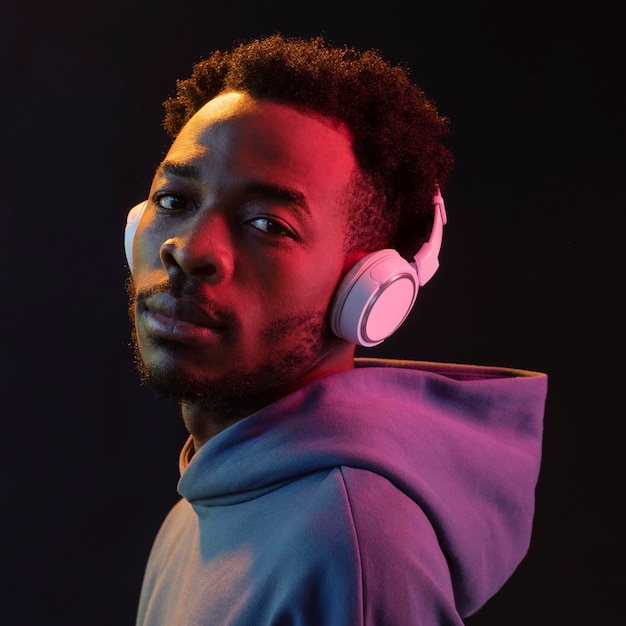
[(297, 286), (146, 256), (145, 242), (313, 286)]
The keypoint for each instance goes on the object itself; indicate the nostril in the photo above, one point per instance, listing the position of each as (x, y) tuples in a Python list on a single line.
[(178, 255), (209, 270), (168, 254)]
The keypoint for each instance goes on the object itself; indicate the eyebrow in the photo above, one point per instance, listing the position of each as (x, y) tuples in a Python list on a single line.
[(181, 170), (269, 191), (280, 193)]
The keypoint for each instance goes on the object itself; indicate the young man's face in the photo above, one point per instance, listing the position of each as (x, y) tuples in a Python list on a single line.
[(239, 251)]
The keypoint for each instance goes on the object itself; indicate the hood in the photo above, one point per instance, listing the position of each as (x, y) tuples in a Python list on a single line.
[(463, 442)]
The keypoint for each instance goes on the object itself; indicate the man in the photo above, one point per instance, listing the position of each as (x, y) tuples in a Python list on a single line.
[(317, 490)]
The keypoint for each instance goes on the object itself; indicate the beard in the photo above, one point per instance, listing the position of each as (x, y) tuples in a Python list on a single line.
[(242, 389)]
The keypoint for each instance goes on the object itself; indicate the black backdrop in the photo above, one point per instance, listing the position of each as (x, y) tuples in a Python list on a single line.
[(531, 267)]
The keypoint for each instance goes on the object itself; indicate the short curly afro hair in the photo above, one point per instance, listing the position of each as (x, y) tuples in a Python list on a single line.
[(396, 131)]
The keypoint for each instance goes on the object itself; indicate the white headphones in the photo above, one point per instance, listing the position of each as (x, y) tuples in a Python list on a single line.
[(132, 221), (376, 295)]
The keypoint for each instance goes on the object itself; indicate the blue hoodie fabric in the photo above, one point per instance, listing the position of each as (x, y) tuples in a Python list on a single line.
[(397, 493)]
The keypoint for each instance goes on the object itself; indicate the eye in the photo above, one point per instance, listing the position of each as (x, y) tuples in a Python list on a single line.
[(171, 202), (270, 226)]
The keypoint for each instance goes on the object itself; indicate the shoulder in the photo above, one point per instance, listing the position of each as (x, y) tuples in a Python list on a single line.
[(396, 542)]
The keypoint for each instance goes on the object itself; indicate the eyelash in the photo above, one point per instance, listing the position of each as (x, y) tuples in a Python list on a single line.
[(160, 196), (276, 224), (271, 222)]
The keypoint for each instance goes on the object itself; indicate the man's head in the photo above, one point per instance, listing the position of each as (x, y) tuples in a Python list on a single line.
[(249, 225), (396, 131)]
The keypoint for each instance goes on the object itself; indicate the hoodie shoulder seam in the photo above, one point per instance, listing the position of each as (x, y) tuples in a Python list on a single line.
[(357, 547)]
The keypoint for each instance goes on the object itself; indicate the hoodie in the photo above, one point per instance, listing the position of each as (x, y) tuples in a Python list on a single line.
[(397, 493)]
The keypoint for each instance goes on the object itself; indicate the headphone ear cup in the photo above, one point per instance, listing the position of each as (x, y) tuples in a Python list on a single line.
[(374, 298), (132, 221)]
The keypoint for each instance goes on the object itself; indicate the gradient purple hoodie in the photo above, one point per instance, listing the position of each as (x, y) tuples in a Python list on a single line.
[(398, 493)]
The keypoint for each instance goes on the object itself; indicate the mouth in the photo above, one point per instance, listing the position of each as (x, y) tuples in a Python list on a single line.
[(180, 319)]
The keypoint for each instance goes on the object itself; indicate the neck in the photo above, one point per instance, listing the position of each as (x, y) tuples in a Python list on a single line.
[(205, 420)]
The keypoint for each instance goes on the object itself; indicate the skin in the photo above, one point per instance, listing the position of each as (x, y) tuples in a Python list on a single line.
[(236, 259)]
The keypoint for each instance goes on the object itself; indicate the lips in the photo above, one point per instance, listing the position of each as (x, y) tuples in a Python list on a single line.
[(180, 319)]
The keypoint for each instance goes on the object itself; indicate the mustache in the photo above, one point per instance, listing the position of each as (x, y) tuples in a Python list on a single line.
[(163, 286), (190, 293)]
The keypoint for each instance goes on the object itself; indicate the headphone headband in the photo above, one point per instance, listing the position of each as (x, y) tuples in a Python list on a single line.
[(427, 258)]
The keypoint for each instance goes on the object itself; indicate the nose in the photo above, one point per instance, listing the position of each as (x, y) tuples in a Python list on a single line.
[(203, 250)]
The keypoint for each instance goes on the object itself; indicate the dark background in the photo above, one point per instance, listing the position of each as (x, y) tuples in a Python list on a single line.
[(531, 268)]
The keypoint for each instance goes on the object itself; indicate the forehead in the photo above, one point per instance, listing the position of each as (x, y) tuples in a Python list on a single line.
[(235, 134), (256, 114)]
